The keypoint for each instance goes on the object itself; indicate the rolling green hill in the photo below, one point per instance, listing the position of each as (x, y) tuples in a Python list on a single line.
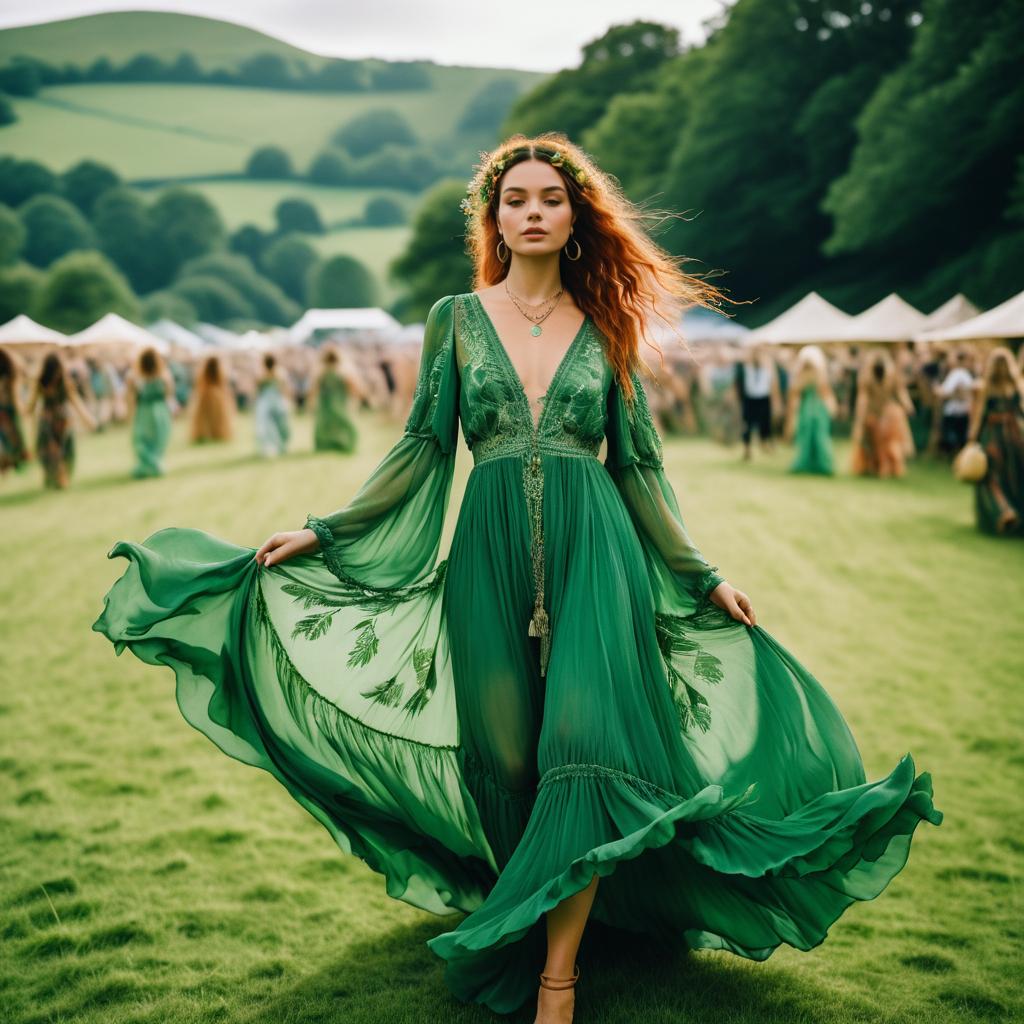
[(123, 34)]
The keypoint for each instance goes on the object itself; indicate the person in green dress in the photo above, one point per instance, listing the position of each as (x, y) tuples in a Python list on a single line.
[(13, 450), (811, 404), (149, 387), (333, 428), (571, 714), (997, 424)]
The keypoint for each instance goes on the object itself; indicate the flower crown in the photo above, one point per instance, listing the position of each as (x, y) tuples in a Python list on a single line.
[(480, 188)]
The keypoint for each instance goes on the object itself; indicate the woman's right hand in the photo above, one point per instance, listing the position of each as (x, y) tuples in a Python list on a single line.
[(282, 546)]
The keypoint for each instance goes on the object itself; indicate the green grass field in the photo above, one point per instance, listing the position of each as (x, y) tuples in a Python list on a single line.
[(146, 877)]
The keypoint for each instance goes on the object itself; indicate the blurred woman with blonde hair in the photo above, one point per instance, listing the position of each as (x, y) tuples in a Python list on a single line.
[(150, 385), (212, 403), (810, 406), (997, 423), (881, 429)]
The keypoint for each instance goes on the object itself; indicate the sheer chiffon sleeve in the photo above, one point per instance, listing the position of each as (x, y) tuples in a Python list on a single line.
[(681, 576), (389, 534)]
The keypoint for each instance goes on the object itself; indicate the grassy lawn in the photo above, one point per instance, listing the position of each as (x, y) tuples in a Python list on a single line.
[(146, 877)]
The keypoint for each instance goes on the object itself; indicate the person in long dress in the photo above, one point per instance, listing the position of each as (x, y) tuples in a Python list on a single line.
[(212, 403), (13, 450), (273, 428), (811, 404), (333, 391), (55, 393), (150, 390), (881, 436), (573, 712), (997, 424)]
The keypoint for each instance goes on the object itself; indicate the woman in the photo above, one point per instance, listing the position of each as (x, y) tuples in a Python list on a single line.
[(57, 394), (212, 403), (997, 423), (811, 404), (150, 386), (333, 429), (271, 408), (881, 429), (574, 694), (13, 452)]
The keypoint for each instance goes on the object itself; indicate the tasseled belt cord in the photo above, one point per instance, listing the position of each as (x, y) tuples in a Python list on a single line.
[(533, 486)]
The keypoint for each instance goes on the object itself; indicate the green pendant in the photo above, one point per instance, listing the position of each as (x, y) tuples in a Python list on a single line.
[(535, 330)]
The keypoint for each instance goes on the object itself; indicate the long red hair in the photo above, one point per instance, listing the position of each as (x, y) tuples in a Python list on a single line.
[(623, 279)]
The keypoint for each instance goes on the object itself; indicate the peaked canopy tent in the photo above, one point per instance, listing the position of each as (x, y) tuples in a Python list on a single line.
[(812, 321), (317, 325), (114, 332), (177, 336), (1001, 323), (890, 320), (952, 312), (23, 330)]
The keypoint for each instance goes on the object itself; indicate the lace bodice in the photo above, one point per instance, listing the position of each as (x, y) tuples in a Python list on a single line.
[(493, 405)]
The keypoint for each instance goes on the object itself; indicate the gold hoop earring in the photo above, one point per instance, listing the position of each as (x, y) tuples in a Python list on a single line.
[(505, 258), (579, 249)]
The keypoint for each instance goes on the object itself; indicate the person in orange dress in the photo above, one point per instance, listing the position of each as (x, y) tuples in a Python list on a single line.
[(881, 435), (212, 403)]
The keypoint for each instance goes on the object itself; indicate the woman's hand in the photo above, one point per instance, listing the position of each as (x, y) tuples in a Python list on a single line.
[(735, 602), (282, 546)]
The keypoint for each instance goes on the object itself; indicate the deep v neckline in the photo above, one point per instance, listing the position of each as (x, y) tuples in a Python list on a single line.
[(514, 373)]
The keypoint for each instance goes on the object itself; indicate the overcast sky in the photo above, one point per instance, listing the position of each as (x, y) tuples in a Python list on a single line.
[(535, 35)]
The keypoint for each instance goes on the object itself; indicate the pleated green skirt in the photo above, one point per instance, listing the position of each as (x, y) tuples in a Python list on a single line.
[(415, 725)]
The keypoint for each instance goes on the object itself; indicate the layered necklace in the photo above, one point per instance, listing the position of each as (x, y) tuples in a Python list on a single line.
[(536, 314)]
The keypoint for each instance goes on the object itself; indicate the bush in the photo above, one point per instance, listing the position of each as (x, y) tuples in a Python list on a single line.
[(331, 167), (19, 288), (372, 130), (12, 235), (53, 227), (342, 281), (383, 211), (297, 215), (269, 163), (288, 262), (80, 288)]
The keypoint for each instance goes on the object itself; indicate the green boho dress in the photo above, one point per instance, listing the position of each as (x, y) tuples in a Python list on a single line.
[(151, 426), (333, 428), (556, 698), (813, 435)]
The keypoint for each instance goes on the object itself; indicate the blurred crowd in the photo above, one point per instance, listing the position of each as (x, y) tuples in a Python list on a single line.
[(891, 401)]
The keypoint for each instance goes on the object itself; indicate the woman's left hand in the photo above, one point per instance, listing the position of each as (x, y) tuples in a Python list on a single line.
[(735, 602)]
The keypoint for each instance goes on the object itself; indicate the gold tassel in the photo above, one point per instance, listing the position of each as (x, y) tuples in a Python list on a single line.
[(539, 627)]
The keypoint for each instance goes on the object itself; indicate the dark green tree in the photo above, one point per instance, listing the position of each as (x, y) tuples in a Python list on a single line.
[(288, 262), (369, 131), (127, 236), (79, 289), (12, 235), (84, 183), (19, 287), (187, 225), (270, 163), (435, 262), (342, 281), (297, 215), (53, 227)]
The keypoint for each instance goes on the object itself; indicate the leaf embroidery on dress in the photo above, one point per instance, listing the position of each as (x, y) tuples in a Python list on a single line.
[(388, 693), (366, 644), (691, 705)]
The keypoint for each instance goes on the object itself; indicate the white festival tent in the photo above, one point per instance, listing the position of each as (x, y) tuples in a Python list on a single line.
[(952, 312), (23, 330), (812, 321), (115, 330), (890, 319), (315, 323), (1001, 322), (177, 335)]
